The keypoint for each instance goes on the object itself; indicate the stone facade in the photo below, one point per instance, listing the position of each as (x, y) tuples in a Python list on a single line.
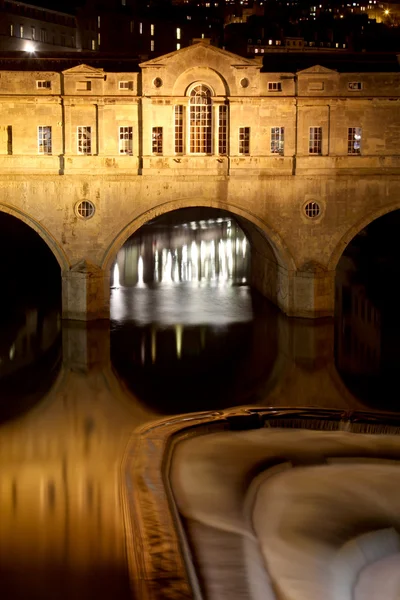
[(130, 182)]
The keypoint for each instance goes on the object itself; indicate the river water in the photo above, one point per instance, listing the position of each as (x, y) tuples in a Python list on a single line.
[(186, 334)]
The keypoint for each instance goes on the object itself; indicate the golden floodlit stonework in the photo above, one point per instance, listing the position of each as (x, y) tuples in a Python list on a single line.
[(303, 160)]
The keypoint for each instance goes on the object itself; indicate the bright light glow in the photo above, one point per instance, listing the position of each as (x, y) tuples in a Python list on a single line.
[(140, 272), (116, 276), (29, 47)]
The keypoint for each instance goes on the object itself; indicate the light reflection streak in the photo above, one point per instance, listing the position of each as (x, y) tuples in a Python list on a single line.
[(140, 272), (203, 251), (116, 276), (178, 338)]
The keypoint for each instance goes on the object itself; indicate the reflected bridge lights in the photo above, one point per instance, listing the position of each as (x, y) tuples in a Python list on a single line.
[(140, 282), (116, 284)]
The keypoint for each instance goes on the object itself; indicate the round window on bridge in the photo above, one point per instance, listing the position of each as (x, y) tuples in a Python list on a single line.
[(244, 82), (85, 209), (157, 82), (312, 210)]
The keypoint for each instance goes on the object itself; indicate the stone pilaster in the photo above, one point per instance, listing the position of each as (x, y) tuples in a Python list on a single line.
[(85, 292)]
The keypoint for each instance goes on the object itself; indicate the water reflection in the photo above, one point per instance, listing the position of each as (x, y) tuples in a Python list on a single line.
[(187, 334), (194, 252)]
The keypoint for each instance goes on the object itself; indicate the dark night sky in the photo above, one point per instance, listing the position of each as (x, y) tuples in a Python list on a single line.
[(61, 5)]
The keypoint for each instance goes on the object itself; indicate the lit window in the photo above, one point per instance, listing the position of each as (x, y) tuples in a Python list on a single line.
[(354, 86), (178, 46), (222, 129), (315, 140), (152, 46), (84, 140), (33, 33), (179, 129), (123, 2), (140, 28), (93, 44), (354, 140), (98, 22), (244, 140), (277, 140), (125, 140), (21, 31), (11, 29), (152, 29), (43, 84), (200, 118), (274, 86), (44, 140), (132, 26), (125, 85), (178, 34), (157, 140), (98, 39)]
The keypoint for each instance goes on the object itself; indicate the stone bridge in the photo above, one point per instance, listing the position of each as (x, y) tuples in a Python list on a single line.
[(295, 244)]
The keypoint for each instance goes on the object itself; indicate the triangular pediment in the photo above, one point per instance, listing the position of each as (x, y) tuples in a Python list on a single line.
[(84, 70), (200, 53), (317, 70)]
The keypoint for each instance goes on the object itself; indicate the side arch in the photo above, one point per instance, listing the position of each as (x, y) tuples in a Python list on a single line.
[(41, 231), (282, 254), (355, 229)]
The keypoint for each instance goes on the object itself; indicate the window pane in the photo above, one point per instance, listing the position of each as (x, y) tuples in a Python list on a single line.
[(222, 129), (277, 140), (84, 140), (179, 129), (44, 140), (157, 140), (125, 140), (200, 120), (354, 140), (315, 141), (244, 140)]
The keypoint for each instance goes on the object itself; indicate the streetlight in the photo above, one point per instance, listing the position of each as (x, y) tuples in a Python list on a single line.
[(29, 47)]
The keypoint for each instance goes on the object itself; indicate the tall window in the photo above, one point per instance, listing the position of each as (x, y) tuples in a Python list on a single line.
[(84, 140), (157, 140), (315, 140), (11, 29), (21, 31), (125, 140), (277, 140), (179, 129), (222, 129), (43, 35), (44, 140), (244, 140), (33, 32), (200, 120), (354, 140)]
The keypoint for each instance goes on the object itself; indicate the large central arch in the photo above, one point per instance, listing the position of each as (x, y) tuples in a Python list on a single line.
[(271, 259)]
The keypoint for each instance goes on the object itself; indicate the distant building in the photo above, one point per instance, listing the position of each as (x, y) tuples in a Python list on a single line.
[(24, 27)]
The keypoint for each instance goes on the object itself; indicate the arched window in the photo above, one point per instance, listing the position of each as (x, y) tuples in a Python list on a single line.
[(200, 120)]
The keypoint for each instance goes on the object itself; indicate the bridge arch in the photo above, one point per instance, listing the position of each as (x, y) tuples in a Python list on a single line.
[(272, 264), (42, 231), (355, 229), (258, 231)]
